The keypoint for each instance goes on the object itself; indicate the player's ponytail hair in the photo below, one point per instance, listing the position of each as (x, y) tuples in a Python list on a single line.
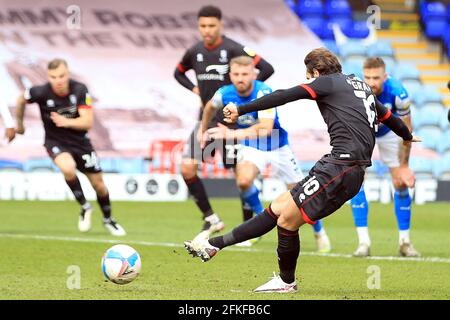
[(323, 60)]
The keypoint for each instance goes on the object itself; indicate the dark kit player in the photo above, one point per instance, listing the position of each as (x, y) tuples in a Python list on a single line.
[(351, 112), (67, 116), (210, 61)]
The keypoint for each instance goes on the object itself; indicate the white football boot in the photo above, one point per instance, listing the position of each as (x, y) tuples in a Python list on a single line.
[(276, 284), (84, 221), (113, 227)]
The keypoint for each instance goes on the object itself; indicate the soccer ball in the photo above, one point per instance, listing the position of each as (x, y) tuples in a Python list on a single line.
[(121, 264)]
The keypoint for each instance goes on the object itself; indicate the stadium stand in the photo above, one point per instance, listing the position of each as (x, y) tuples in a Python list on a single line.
[(412, 54)]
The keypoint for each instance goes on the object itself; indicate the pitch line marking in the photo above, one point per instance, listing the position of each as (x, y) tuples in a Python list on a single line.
[(235, 249)]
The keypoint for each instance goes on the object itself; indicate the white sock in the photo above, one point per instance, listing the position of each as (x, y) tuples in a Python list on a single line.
[(403, 236), (214, 218), (86, 206), (321, 233), (363, 235)]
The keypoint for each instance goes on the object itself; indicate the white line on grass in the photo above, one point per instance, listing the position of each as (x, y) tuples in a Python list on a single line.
[(177, 245)]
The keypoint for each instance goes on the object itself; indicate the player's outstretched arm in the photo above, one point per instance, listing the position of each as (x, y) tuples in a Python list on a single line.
[(274, 99)]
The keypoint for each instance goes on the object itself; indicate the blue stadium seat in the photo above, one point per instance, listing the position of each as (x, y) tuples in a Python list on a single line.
[(428, 95), (357, 30), (430, 136), (355, 67), (328, 33), (352, 49), (414, 90), (443, 144), (344, 23), (338, 8), (10, 165), (315, 24), (380, 49), (406, 71), (421, 166), (434, 18), (40, 164), (309, 8), (430, 116)]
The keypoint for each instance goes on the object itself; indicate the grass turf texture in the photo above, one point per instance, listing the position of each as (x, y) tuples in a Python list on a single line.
[(40, 240)]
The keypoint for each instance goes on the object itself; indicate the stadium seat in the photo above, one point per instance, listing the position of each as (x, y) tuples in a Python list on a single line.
[(380, 49), (352, 49), (422, 167), (406, 71), (428, 96), (414, 90), (315, 24), (429, 116), (434, 19), (357, 30), (40, 164), (443, 144), (350, 66), (9, 165), (430, 136), (309, 8), (442, 167), (338, 8)]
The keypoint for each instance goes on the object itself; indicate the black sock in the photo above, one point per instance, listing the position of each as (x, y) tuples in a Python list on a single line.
[(288, 251), (75, 186), (253, 228), (105, 205), (197, 191), (247, 211)]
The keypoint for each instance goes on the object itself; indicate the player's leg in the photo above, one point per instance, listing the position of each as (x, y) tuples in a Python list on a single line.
[(360, 211), (389, 146), (307, 202), (250, 164), (286, 169), (103, 200), (189, 167), (246, 172), (402, 207), (67, 165)]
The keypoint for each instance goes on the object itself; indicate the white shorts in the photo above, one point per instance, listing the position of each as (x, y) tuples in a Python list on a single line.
[(284, 166), (389, 148)]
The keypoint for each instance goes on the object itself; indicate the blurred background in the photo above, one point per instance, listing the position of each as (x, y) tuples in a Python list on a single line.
[(126, 54)]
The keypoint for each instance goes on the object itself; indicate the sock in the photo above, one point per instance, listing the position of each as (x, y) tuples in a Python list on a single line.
[(247, 212), (363, 235), (403, 236), (197, 191), (402, 204), (253, 228), (105, 205), (75, 186), (251, 196), (318, 228), (360, 208), (288, 251)]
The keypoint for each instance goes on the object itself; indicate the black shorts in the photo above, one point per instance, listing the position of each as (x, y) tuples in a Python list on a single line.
[(84, 154), (326, 188), (228, 150)]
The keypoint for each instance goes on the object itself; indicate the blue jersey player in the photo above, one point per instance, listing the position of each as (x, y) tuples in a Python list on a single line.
[(394, 154), (263, 140)]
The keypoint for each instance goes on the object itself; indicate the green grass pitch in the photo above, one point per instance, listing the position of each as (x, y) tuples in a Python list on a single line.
[(39, 242)]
